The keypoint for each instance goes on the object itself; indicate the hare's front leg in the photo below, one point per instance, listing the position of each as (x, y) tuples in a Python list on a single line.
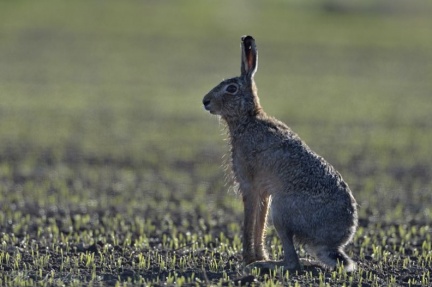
[(251, 211), (260, 228)]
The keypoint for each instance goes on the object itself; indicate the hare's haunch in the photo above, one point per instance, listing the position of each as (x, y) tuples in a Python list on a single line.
[(309, 202)]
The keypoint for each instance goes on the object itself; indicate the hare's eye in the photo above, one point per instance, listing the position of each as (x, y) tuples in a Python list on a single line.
[(232, 89)]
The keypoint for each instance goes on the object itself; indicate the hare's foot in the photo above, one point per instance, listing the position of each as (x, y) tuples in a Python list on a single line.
[(266, 266), (306, 262), (249, 258)]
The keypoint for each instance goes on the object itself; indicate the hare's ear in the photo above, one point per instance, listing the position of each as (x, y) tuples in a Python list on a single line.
[(249, 62)]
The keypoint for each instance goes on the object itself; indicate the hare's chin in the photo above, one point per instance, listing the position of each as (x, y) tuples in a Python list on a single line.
[(213, 112)]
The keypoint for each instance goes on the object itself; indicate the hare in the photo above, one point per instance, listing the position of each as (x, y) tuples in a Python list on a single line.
[(309, 201)]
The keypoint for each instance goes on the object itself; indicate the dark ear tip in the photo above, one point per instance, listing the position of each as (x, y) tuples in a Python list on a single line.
[(247, 38)]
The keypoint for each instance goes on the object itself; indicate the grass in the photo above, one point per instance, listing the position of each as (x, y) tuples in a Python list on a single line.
[(110, 170)]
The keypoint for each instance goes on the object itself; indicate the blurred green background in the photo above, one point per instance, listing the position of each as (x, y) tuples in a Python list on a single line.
[(119, 84), (111, 171)]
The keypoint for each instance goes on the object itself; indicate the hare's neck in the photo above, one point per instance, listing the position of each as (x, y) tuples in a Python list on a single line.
[(238, 126)]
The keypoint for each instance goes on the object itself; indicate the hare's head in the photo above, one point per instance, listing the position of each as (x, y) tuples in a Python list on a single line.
[(237, 97)]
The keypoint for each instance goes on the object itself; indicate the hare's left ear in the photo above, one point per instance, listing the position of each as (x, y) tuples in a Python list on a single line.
[(249, 62)]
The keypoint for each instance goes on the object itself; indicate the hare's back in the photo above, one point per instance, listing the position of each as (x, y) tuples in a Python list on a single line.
[(302, 169)]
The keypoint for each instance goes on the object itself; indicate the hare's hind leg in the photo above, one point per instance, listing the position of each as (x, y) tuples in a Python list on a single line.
[(291, 260)]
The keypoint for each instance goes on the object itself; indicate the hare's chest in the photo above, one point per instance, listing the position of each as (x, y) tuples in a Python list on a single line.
[(244, 166)]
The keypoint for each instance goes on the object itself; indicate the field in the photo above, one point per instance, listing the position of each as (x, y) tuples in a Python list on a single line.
[(111, 172)]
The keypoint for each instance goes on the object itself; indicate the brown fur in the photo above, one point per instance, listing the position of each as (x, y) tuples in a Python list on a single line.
[(310, 203)]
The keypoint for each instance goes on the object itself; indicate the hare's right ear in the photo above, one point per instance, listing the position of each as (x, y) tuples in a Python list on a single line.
[(249, 62)]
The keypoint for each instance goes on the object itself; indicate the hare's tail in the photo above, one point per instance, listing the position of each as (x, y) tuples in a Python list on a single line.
[(331, 257)]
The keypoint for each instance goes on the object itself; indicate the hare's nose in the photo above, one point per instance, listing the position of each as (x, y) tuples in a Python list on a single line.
[(206, 103)]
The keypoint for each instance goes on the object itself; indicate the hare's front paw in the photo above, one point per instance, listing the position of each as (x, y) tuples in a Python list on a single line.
[(261, 255)]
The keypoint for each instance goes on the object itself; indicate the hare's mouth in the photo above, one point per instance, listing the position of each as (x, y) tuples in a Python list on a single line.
[(210, 110), (213, 112), (211, 106)]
